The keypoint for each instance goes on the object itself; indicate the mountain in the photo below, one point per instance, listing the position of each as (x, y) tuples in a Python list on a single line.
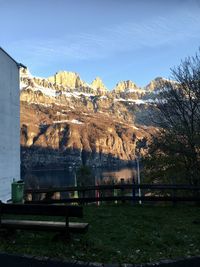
[(64, 121), (98, 85), (124, 86), (66, 79), (155, 84)]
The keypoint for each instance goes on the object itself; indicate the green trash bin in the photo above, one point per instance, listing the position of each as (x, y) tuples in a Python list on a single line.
[(17, 189)]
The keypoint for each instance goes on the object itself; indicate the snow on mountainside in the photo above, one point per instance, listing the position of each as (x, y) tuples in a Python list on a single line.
[(69, 85)]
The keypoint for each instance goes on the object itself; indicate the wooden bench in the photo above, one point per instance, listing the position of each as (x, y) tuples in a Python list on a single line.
[(42, 225)]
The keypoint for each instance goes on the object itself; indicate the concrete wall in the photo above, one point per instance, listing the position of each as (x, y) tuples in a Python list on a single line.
[(9, 125)]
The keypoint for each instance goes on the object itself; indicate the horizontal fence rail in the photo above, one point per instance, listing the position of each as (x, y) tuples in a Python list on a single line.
[(114, 186), (106, 199), (115, 192)]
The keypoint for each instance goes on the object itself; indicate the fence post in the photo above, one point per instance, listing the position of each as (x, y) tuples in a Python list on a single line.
[(133, 191), (138, 178), (173, 192), (115, 193), (97, 195), (174, 197), (122, 189), (83, 196)]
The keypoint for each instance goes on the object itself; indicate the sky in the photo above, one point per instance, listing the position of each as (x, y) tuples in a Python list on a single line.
[(116, 40)]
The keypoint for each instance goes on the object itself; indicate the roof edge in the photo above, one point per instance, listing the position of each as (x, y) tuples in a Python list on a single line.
[(19, 65)]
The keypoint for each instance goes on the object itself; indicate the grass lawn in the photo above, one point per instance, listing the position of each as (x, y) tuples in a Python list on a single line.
[(120, 234)]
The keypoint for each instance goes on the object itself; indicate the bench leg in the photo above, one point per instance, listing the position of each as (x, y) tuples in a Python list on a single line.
[(62, 236), (3, 232), (7, 233), (66, 236)]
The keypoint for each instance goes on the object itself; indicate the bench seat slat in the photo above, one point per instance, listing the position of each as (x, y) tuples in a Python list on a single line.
[(44, 225), (78, 227)]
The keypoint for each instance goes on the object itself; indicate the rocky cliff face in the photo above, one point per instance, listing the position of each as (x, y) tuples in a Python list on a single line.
[(124, 86), (66, 79), (98, 85), (64, 120), (60, 138), (155, 84)]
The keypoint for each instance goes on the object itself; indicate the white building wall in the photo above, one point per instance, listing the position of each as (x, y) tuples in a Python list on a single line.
[(9, 125)]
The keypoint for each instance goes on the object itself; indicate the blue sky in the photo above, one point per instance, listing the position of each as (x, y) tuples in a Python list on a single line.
[(113, 39)]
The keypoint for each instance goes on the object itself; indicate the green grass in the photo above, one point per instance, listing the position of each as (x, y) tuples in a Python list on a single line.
[(120, 234)]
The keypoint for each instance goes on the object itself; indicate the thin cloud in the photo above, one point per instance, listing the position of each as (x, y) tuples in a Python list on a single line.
[(130, 36)]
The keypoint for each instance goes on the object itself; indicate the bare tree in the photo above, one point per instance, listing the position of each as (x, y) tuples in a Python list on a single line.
[(179, 118)]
